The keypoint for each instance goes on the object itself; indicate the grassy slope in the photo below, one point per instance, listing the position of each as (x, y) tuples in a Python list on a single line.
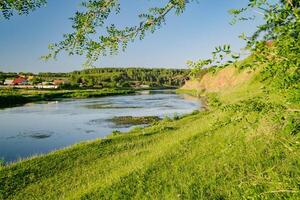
[(240, 148)]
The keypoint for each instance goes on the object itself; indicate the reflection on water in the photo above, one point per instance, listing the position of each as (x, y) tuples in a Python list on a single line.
[(44, 126)]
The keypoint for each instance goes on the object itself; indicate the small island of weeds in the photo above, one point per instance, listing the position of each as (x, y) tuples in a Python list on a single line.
[(130, 120)]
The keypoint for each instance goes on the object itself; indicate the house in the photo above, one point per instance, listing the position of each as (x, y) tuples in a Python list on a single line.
[(58, 82), (46, 86), (30, 78), (8, 82), (20, 81)]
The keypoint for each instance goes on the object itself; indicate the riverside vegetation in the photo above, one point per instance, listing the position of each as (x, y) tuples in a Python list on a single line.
[(129, 120), (13, 97)]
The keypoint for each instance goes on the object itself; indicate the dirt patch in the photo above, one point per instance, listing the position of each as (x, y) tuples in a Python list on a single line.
[(225, 78), (191, 85)]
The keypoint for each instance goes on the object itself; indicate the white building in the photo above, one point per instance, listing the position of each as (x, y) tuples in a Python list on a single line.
[(46, 86), (8, 82)]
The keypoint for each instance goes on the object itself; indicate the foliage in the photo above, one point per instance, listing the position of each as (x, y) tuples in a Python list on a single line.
[(93, 17), (68, 86), (281, 27), (112, 77), (90, 20), (11, 97), (4, 75), (275, 43), (1, 162), (221, 57), (9, 7)]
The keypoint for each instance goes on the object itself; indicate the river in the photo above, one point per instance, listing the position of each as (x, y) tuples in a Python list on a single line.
[(41, 127)]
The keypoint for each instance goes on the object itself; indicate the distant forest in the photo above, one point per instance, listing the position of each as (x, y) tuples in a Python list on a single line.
[(113, 77)]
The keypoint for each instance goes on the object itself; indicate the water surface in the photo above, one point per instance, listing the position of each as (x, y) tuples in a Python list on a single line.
[(41, 127)]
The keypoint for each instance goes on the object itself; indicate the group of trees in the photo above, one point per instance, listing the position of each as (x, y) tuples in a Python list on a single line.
[(5, 75), (88, 21), (112, 77), (126, 77), (37, 78)]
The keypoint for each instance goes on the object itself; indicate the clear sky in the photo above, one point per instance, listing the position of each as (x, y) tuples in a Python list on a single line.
[(190, 36)]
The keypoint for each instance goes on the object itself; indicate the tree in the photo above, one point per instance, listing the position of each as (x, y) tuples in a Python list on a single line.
[(9, 7), (275, 43), (92, 17)]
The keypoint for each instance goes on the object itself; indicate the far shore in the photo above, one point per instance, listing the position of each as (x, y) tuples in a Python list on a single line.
[(19, 97), (11, 96)]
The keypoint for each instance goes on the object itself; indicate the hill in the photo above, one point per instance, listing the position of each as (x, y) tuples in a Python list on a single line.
[(226, 78)]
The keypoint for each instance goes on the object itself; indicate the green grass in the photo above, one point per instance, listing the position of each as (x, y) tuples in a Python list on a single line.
[(13, 97), (190, 92), (246, 146)]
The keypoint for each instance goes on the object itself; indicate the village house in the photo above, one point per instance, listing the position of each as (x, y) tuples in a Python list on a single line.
[(46, 86), (20, 81), (8, 82), (46, 83), (58, 82)]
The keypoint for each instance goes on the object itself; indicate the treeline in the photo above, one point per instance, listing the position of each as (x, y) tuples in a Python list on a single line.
[(40, 76), (113, 77), (125, 77), (5, 75)]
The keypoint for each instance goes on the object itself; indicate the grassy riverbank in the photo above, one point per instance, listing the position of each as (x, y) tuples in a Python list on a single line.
[(13, 97), (245, 146)]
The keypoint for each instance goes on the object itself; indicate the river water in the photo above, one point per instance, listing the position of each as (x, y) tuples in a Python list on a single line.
[(41, 127)]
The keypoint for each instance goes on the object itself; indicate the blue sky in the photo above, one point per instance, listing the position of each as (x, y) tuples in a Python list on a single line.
[(190, 36)]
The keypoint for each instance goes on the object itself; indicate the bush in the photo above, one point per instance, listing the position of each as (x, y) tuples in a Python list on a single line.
[(68, 86)]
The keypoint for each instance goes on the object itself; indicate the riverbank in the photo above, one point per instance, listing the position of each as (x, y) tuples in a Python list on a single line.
[(245, 146), (17, 97)]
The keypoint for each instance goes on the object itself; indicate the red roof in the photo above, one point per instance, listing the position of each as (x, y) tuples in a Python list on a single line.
[(18, 81)]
